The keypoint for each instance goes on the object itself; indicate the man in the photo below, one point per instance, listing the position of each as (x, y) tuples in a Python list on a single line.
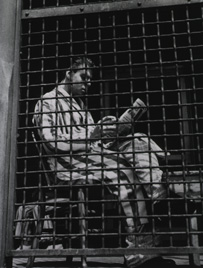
[(75, 155)]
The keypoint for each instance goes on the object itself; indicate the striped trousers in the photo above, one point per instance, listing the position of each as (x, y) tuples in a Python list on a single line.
[(125, 169)]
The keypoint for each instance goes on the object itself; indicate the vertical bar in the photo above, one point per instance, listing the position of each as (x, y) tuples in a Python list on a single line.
[(102, 113), (70, 187), (179, 98), (56, 103), (193, 224), (182, 139), (163, 104), (162, 81), (26, 112), (39, 220), (145, 64), (117, 110), (130, 57), (82, 223), (13, 149), (132, 132), (8, 32), (198, 147), (115, 62), (132, 127), (85, 198), (57, 51)]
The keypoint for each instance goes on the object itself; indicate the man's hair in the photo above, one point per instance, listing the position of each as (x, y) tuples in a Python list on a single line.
[(81, 61)]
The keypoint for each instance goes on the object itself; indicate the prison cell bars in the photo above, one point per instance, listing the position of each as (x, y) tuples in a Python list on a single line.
[(162, 96)]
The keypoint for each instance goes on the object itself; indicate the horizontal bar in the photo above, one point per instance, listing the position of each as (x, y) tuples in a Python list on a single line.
[(104, 251), (100, 7)]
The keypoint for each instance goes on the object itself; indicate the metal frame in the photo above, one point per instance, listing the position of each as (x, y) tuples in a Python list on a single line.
[(105, 251), (9, 53), (101, 7)]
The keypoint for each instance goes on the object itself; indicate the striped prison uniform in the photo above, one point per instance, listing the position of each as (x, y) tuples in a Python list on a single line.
[(65, 126)]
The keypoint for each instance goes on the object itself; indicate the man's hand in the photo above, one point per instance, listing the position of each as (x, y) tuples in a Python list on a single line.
[(108, 126), (105, 128)]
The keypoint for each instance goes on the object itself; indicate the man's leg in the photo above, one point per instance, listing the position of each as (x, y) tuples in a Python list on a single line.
[(139, 152), (123, 183), (119, 177), (141, 157)]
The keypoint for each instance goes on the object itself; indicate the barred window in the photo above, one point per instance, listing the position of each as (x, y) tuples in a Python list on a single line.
[(153, 54)]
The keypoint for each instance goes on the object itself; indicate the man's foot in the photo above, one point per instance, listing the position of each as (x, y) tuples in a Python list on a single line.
[(158, 262), (147, 261)]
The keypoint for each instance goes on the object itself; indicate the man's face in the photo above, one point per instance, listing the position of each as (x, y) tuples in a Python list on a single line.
[(80, 81)]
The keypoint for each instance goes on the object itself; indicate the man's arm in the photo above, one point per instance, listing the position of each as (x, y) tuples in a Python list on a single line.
[(59, 137)]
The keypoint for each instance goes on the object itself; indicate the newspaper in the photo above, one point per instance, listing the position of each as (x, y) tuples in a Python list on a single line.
[(131, 115), (126, 120)]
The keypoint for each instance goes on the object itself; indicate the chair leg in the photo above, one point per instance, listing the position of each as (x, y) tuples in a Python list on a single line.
[(9, 262), (69, 259), (30, 262), (35, 243), (82, 224), (194, 258)]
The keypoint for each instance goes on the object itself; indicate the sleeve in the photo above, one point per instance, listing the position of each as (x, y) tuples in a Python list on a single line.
[(57, 136)]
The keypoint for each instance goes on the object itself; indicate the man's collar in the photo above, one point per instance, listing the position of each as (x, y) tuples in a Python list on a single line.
[(61, 89)]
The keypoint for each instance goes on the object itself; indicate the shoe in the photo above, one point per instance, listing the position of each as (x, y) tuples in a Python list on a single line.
[(137, 260), (144, 240), (147, 261), (158, 262)]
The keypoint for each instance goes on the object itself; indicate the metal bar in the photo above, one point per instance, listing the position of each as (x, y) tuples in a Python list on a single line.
[(194, 258), (101, 7), (9, 30), (105, 251), (14, 121), (82, 224)]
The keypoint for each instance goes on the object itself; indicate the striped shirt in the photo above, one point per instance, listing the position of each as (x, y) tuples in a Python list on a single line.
[(65, 126)]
